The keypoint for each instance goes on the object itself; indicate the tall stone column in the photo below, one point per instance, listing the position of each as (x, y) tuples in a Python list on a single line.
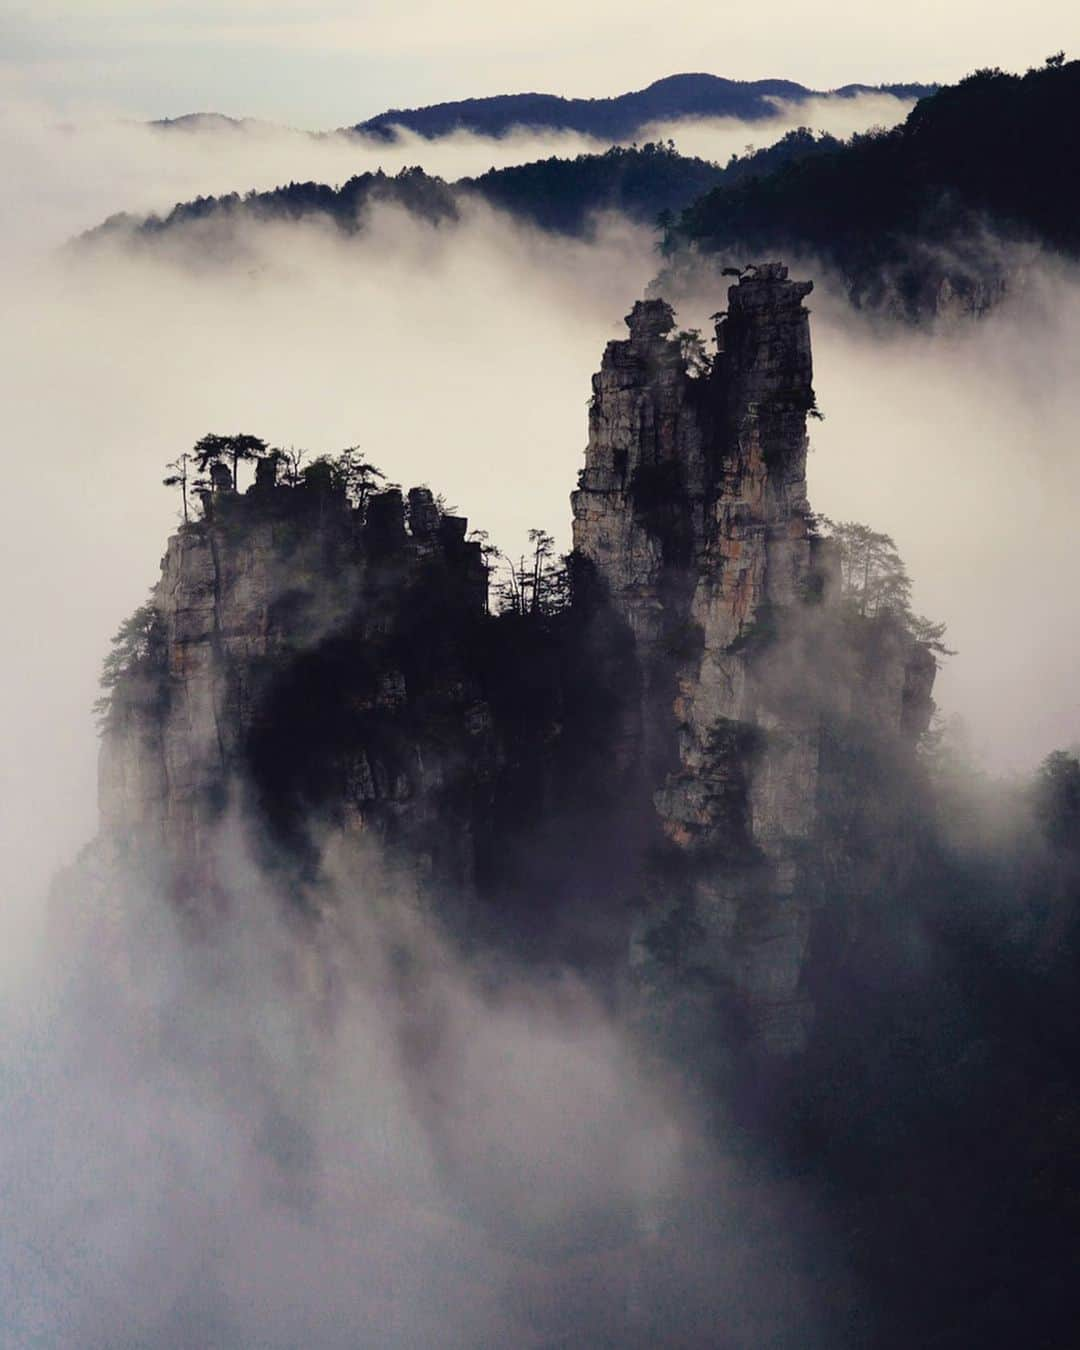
[(692, 508)]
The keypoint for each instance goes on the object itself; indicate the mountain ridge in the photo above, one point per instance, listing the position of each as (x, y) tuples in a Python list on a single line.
[(940, 216), (621, 115), (616, 116)]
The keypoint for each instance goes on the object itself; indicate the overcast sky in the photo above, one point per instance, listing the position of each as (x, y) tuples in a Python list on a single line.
[(336, 61)]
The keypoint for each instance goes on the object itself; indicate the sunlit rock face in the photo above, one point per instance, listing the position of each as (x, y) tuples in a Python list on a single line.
[(692, 506)]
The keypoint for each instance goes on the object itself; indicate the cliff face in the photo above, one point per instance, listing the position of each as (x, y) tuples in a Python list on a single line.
[(692, 506), (677, 742), (284, 621)]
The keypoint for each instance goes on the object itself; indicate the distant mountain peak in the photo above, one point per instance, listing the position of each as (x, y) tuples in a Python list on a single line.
[(688, 94), (615, 118), (210, 121)]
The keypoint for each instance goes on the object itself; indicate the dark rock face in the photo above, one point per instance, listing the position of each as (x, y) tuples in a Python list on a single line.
[(663, 747), (285, 624), (692, 507)]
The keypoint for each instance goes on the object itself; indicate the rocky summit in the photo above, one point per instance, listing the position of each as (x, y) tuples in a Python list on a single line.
[(645, 767)]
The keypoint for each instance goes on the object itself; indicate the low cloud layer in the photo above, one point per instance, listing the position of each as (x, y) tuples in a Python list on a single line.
[(962, 445), (177, 1155), (282, 1137), (461, 358), (65, 175)]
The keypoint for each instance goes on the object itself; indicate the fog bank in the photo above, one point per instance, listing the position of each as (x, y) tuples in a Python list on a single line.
[(65, 177), (464, 1157), (287, 1136), (461, 358)]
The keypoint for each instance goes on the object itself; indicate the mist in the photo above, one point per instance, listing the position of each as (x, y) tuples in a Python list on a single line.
[(290, 1136), (247, 1185), (961, 443), (420, 345), (68, 176)]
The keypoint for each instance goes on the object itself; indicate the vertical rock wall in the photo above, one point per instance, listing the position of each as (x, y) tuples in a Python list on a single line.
[(692, 507), (277, 577), (314, 662)]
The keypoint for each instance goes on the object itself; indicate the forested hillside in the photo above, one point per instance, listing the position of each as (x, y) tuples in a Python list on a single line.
[(625, 115), (898, 212)]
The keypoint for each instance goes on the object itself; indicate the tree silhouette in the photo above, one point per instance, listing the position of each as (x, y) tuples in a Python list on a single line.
[(697, 360), (136, 646), (210, 449), (872, 573), (489, 555), (181, 472), (214, 449), (293, 460), (874, 581), (357, 476), (537, 584), (244, 447)]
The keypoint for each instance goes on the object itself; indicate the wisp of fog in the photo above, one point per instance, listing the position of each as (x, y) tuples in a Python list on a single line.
[(69, 176), (459, 358)]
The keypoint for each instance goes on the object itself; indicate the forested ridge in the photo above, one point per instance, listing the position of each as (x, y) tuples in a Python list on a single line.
[(677, 96), (911, 219), (991, 159)]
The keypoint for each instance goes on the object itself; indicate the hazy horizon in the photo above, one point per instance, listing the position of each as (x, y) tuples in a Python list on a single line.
[(162, 58)]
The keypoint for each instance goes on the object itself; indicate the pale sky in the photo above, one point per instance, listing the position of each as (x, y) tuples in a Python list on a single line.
[(326, 64)]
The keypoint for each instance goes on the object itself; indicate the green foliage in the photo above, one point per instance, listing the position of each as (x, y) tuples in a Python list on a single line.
[(656, 491), (423, 195), (874, 581), (564, 195), (618, 118), (655, 485), (561, 195), (872, 573), (214, 449), (135, 649), (897, 212), (684, 641), (759, 632)]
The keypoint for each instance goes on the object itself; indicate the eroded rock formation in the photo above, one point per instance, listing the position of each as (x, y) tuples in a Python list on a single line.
[(281, 682), (692, 506), (675, 745)]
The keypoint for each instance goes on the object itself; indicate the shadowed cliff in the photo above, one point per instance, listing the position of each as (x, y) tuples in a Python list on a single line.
[(694, 772)]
